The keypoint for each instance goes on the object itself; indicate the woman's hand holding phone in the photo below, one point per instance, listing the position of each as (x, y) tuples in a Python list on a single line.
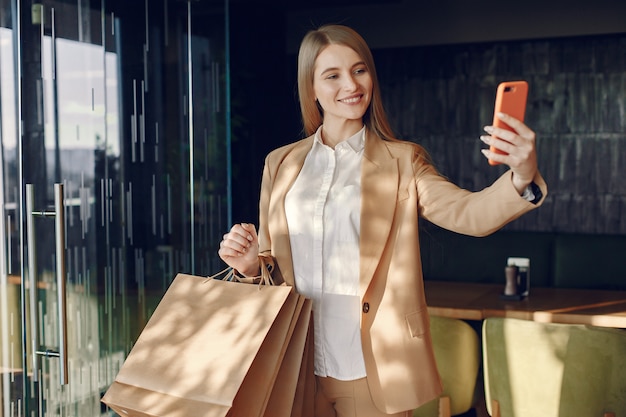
[(510, 141), (519, 147)]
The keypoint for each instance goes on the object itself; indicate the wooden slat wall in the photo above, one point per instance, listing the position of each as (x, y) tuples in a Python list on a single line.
[(442, 96)]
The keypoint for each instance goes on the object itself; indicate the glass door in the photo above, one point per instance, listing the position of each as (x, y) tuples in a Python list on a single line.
[(114, 146)]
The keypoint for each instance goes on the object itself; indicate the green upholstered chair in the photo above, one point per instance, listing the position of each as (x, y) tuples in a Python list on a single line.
[(553, 370), (457, 353)]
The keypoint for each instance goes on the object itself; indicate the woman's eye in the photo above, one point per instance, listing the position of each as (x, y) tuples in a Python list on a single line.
[(359, 71)]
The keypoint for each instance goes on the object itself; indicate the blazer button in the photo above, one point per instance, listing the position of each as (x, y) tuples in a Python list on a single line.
[(366, 307)]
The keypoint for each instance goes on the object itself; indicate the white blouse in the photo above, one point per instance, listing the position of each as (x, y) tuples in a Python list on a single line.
[(323, 211)]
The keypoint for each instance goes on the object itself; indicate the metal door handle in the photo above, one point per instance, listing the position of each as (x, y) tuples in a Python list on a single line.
[(32, 277), (59, 231), (59, 227)]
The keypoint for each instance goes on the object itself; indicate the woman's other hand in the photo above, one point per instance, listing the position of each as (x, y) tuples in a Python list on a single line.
[(240, 249), (520, 147)]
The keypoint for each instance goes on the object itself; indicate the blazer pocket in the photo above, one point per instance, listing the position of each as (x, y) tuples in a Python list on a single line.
[(417, 323)]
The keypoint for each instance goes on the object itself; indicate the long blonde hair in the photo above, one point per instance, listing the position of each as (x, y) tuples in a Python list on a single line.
[(312, 44)]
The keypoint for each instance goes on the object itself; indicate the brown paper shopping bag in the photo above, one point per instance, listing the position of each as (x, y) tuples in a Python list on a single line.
[(217, 348)]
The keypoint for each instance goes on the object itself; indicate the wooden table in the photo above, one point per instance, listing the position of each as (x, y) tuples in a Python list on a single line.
[(473, 301)]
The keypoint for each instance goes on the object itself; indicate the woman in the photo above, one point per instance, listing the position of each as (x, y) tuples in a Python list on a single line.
[(339, 215)]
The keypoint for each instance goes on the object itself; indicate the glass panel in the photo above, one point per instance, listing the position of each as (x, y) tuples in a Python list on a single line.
[(209, 138), (75, 81), (11, 342), (124, 104)]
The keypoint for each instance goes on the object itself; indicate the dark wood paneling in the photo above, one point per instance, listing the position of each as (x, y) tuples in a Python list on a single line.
[(442, 96)]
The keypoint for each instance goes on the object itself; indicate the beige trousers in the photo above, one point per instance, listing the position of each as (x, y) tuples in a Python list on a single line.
[(334, 398)]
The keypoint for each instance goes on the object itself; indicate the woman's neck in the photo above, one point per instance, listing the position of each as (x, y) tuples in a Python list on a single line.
[(334, 133)]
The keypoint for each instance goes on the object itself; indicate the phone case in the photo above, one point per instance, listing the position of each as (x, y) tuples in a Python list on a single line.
[(510, 99)]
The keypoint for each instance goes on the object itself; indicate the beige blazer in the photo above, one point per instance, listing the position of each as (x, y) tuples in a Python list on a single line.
[(398, 186)]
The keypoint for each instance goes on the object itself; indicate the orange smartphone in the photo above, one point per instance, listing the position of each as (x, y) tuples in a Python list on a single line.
[(510, 99)]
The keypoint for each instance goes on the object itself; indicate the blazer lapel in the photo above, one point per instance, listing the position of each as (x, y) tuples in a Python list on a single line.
[(379, 189), (285, 176)]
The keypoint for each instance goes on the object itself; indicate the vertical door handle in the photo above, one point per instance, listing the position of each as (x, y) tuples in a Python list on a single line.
[(59, 227), (32, 278)]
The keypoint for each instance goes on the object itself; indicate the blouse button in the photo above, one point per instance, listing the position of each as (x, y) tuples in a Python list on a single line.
[(366, 307)]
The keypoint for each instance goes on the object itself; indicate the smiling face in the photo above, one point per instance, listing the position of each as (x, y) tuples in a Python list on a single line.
[(342, 85)]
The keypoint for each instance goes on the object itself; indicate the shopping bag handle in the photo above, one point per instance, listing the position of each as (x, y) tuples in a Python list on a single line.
[(231, 274)]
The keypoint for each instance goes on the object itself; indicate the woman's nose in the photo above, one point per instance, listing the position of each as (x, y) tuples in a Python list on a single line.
[(349, 83)]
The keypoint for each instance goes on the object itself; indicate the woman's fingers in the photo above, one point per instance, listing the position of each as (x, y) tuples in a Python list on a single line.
[(519, 127), (519, 146), (239, 240), (239, 248)]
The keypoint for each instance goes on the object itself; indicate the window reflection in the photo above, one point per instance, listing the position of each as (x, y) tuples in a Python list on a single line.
[(8, 114), (86, 108), (87, 86)]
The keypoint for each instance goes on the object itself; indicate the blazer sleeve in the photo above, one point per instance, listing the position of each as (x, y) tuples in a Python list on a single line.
[(265, 252), (472, 213)]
